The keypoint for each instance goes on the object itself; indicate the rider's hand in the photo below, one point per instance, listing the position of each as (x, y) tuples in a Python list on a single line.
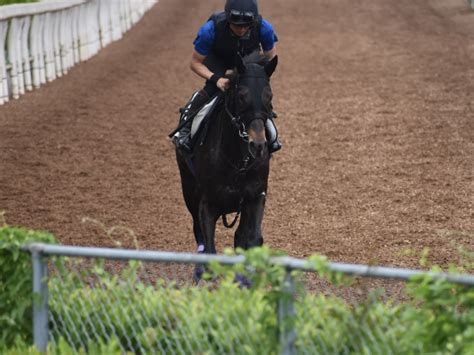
[(223, 84)]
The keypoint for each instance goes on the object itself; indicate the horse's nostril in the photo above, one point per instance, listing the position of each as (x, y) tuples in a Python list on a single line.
[(256, 148)]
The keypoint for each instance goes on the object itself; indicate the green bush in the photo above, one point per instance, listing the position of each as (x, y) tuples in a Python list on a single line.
[(63, 348), (441, 315), (146, 318), (16, 285), (96, 311), (439, 318)]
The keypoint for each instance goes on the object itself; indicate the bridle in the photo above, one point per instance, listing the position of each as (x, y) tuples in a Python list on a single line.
[(248, 159), (236, 119)]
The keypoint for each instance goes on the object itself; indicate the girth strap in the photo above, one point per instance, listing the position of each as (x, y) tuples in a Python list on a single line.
[(240, 175)]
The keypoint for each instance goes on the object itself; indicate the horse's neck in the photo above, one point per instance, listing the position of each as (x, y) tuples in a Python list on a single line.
[(225, 137)]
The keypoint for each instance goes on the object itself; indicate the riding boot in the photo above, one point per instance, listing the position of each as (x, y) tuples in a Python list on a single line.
[(274, 143), (182, 139)]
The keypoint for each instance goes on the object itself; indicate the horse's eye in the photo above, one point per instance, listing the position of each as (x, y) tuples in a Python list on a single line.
[(267, 98), (243, 96)]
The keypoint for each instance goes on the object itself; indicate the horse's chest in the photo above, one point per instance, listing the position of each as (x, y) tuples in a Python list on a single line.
[(230, 191), (225, 190)]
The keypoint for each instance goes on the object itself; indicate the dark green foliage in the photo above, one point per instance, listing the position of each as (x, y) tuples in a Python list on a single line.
[(16, 288)]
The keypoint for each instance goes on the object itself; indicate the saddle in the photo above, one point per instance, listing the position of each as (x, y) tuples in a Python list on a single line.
[(202, 115), (201, 120)]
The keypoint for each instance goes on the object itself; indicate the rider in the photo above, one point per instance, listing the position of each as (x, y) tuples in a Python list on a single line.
[(237, 30)]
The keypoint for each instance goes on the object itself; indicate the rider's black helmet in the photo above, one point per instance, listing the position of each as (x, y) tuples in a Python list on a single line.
[(241, 12)]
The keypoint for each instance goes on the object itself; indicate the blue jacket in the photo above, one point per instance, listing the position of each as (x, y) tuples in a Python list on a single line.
[(216, 37)]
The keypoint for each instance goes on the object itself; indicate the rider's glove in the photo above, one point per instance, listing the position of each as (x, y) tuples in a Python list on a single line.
[(214, 78)]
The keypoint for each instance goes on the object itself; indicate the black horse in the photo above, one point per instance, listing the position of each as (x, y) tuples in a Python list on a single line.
[(229, 170)]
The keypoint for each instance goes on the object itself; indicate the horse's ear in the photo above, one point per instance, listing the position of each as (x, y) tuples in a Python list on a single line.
[(271, 66), (239, 64)]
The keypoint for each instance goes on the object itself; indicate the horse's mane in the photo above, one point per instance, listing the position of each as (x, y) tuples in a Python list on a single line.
[(256, 57)]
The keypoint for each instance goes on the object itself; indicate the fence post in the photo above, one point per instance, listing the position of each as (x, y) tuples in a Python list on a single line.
[(40, 300), (286, 315)]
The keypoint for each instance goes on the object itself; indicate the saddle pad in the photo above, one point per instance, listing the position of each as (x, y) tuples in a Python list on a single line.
[(199, 118)]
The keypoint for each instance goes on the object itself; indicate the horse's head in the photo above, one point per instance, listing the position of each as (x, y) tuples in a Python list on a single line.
[(252, 101)]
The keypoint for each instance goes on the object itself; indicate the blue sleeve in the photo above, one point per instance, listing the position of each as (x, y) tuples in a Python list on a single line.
[(205, 39), (268, 37)]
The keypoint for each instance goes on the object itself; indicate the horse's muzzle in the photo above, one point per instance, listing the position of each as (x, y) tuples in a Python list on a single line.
[(257, 140), (258, 148)]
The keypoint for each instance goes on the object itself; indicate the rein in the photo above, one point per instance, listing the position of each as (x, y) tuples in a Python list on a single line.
[(242, 169), (241, 173), (244, 163)]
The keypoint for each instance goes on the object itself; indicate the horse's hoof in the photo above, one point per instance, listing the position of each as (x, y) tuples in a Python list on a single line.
[(198, 272), (243, 281)]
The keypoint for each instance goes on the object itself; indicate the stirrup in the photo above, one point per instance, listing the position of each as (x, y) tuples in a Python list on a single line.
[(183, 143)]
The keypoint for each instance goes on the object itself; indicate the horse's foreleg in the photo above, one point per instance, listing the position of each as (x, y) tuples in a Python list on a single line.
[(191, 197), (208, 219), (249, 233), (198, 269), (198, 235)]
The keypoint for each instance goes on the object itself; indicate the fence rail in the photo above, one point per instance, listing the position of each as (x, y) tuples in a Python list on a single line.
[(42, 41), (288, 262), (286, 307)]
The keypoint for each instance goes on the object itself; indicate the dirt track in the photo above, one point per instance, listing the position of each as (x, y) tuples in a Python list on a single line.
[(376, 105)]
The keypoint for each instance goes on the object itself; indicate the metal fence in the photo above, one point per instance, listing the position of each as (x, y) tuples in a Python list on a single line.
[(151, 305)]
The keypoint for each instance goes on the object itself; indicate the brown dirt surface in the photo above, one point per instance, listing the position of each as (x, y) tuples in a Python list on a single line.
[(376, 106)]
